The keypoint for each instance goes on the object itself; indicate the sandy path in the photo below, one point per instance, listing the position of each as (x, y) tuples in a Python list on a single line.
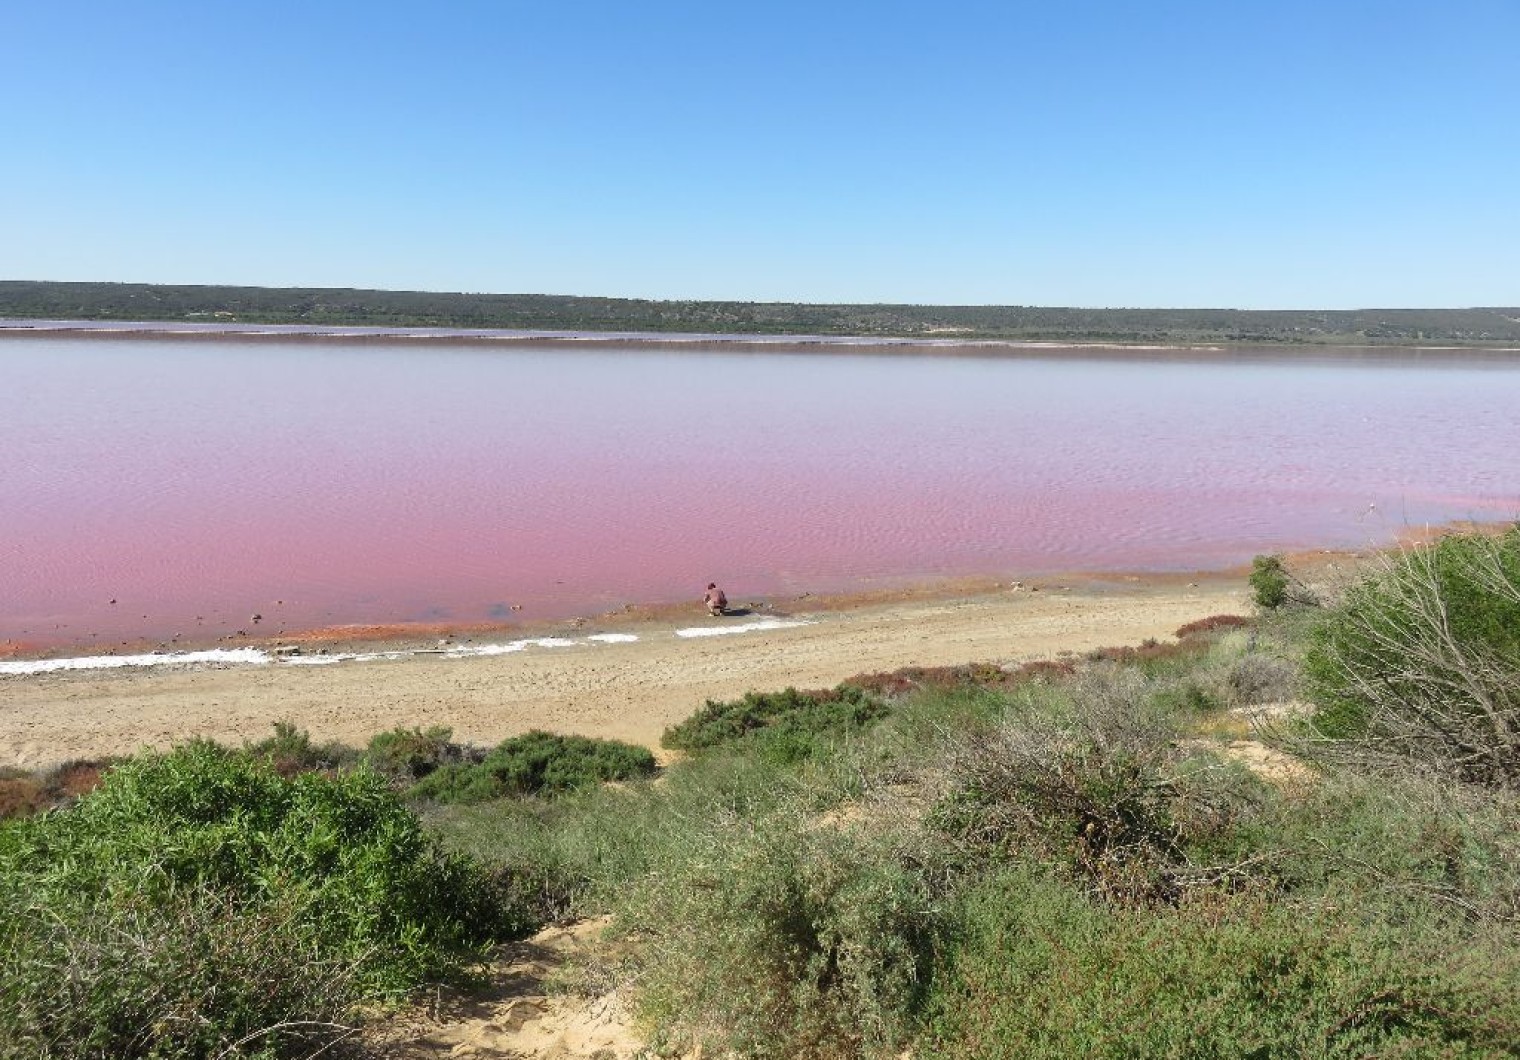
[(630, 691)]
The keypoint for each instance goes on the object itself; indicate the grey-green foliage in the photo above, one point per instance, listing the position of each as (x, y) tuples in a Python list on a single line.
[(772, 937), (1421, 661), (1041, 971)]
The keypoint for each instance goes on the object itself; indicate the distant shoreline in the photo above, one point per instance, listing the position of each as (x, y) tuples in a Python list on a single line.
[(557, 318), (698, 341)]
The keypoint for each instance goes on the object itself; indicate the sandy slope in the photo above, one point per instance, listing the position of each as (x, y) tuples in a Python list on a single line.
[(625, 690)]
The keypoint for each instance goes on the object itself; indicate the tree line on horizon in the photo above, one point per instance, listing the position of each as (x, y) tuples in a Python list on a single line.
[(26, 299)]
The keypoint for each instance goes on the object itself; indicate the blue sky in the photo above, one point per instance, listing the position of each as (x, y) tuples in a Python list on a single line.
[(1293, 154)]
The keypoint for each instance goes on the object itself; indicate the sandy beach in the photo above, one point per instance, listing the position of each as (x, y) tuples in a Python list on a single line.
[(617, 687)]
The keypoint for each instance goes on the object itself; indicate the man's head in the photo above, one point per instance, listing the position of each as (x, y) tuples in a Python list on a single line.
[(712, 585)]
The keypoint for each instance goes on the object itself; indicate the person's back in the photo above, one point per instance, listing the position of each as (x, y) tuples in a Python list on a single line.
[(716, 602)]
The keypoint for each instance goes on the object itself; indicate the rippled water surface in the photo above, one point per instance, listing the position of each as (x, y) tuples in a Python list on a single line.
[(198, 482)]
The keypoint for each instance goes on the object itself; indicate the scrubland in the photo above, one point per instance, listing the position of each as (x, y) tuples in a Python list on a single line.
[(1292, 835)]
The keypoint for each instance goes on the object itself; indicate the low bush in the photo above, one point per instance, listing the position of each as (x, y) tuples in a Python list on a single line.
[(408, 755), (1257, 677), (1213, 624), (1153, 656), (585, 847), (1421, 661), (1401, 846), (771, 938), (198, 897), (906, 680), (1041, 971), (193, 974), (1101, 789), (536, 763), (786, 726), (1269, 582), (23, 792), (290, 751)]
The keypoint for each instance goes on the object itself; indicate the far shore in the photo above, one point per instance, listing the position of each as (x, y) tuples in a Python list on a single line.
[(929, 344)]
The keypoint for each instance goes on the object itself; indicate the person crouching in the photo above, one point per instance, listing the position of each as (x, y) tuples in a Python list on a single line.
[(716, 602)]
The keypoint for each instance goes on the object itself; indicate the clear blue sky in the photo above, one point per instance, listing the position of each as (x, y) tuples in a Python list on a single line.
[(1286, 154)]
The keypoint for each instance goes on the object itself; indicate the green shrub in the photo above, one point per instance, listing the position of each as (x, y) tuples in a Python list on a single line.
[(1041, 971), (407, 755), (1421, 661), (169, 912), (537, 763), (583, 849), (773, 939), (291, 751), (1400, 845), (786, 727), (187, 975), (1269, 582), (1100, 787)]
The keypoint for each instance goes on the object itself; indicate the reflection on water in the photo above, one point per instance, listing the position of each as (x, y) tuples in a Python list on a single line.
[(198, 484)]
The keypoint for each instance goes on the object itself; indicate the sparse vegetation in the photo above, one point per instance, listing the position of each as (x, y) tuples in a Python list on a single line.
[(1063, 862), (1063, 859)]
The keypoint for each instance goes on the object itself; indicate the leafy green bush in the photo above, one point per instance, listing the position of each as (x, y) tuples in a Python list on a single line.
[(1269, 582), (785, 727), (198, 896), (537, 763), (1041, 971), (1421, 661)]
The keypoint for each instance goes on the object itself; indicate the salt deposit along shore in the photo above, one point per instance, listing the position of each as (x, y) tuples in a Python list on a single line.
[(625, 678)]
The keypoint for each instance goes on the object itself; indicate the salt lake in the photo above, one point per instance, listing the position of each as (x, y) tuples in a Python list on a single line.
[(159, 486)]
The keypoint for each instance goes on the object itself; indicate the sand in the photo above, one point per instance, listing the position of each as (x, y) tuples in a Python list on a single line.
[(620, 689)]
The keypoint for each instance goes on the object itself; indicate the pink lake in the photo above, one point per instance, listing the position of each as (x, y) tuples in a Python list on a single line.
[(196, 482)]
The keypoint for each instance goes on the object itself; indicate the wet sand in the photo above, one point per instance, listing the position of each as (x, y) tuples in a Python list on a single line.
[(620, 689)]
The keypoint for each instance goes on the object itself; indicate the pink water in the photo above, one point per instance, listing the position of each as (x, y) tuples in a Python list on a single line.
[(198, 482)]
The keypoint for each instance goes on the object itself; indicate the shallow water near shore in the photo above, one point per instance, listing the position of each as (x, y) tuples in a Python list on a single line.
[(177, 488)]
